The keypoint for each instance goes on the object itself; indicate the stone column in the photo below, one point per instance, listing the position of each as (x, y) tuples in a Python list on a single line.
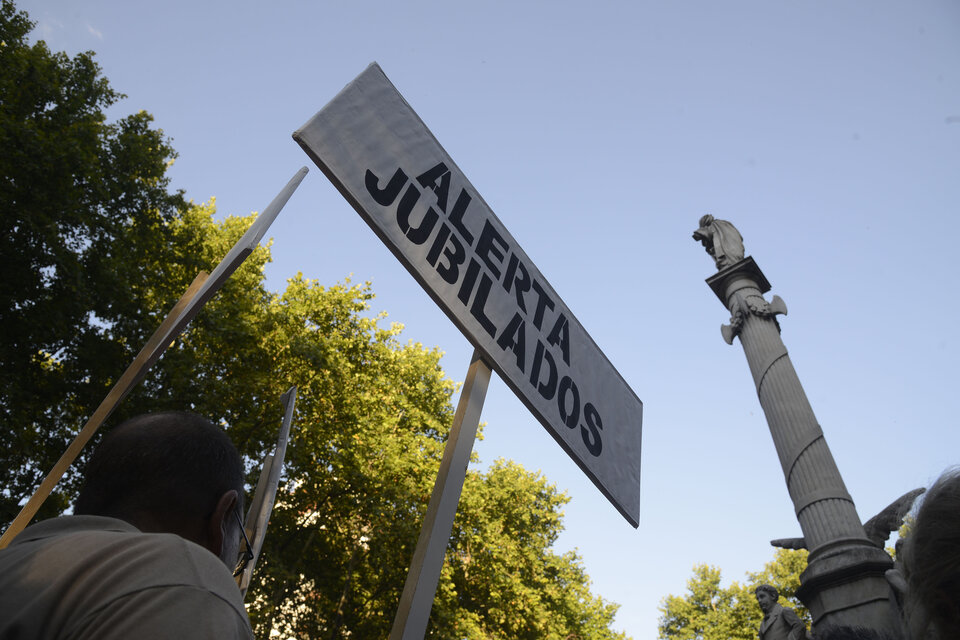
[(844, 581)]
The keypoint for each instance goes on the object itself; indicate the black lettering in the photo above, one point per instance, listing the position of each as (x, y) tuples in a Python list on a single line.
[(487, 246), (522, 284), (470, 279), (438, 243), (592, 438), (389, 193), (561, 334), (511, 269), (479, 300), (543, 301), (569, 419), (514, 337), (540, 356), (456, 216), (428, 180), (537, 361), (422, 233), (451, 271), (410, 197)]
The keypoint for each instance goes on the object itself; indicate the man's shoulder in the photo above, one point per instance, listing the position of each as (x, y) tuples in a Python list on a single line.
[(116, 556), (56, 528), (90, 564), (148, 560), (109, 541), (168, 557)]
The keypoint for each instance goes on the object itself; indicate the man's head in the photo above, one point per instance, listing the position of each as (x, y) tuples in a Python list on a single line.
[(767, 596), (172, 472)]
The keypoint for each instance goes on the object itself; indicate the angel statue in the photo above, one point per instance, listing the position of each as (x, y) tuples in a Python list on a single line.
[(721, 240)]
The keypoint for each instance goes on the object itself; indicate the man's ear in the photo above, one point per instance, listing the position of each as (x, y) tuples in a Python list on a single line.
[(220, 522)]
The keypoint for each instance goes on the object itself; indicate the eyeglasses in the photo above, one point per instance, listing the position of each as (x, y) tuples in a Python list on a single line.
[(247, 554)]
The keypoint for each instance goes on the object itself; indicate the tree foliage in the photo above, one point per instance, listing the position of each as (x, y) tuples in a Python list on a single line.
[(501, 578), (710, 611), (72, 187), (97, 250)]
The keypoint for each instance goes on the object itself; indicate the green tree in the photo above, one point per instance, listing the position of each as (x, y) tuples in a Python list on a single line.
[(709, 611), (72, 186), (501, 578)]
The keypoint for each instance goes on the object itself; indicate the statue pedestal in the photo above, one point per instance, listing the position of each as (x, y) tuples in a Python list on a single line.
[(844, 582)]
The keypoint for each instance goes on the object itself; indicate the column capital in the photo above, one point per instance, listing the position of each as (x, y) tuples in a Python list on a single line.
[(742, 269), (744, 276)]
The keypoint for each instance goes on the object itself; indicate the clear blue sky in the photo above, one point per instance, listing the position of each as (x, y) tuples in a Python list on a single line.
[(599, 133)]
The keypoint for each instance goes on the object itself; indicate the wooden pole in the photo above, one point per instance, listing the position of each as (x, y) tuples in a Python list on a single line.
[(265, 495), (424, 575)]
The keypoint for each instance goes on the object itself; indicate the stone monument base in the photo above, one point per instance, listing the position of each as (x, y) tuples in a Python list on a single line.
[(844, 585)]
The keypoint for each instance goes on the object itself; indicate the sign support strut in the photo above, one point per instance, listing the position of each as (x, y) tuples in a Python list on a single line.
[(420, 588)]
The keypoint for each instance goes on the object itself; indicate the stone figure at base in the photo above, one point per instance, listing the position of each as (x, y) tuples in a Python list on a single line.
[(779, 623), (721, 240)]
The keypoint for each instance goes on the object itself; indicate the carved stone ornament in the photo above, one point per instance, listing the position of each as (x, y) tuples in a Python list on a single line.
[(721, 240), (755, 304)]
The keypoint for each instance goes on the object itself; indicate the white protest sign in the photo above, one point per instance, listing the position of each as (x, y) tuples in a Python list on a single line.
[(387, 164)]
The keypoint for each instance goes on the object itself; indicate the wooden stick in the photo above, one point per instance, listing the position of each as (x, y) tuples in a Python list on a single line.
[(258, 515), (420, 588)]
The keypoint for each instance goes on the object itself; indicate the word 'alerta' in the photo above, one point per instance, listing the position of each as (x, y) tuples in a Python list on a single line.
[(477, 260)]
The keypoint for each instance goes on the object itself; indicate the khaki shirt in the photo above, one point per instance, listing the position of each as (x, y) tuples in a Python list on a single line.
[(84, 577)]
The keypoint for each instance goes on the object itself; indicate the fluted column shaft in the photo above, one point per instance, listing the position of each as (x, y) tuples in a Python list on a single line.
[(824, 508), (843, 583)]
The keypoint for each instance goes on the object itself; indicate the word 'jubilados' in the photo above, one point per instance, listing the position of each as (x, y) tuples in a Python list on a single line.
[(477, 261)]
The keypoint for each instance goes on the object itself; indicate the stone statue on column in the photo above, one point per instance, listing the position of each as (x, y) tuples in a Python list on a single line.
[(844, 584), (721, 240)]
